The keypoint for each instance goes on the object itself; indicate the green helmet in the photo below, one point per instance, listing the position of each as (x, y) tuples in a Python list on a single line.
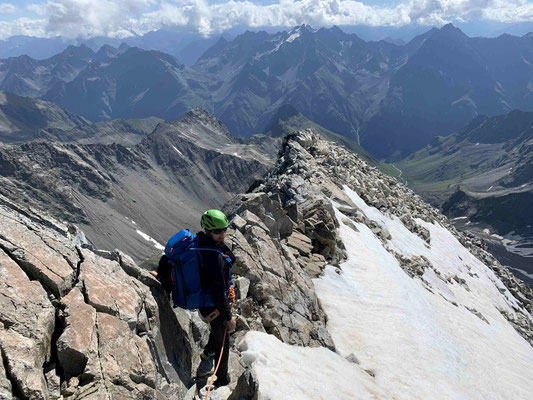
[(213, 219)]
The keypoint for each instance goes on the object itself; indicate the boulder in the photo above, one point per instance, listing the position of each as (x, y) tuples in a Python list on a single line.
[(247, 387), (300, 242), (124, 368), (271, 212), (242, 285), (5, 384)]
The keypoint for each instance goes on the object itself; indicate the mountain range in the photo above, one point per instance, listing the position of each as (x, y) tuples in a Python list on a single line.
[(392, 99), (187, 47)]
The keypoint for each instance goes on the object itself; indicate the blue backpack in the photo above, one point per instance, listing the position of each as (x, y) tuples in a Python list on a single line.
[(185, 259)]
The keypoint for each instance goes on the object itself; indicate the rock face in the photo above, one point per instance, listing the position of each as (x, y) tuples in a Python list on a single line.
[(76, 325)]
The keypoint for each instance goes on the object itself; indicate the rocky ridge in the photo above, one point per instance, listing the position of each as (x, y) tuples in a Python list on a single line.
[(283, 233), (67, 314), (310, 172)]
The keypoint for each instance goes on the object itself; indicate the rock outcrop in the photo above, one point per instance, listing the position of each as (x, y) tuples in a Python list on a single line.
[(75, 325)]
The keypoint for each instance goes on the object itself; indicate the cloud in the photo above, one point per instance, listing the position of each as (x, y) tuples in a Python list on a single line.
[(7, 8), (23, 26), (121, 18)]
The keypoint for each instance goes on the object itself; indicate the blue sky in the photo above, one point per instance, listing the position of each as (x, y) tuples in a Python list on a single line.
[(122, 18)]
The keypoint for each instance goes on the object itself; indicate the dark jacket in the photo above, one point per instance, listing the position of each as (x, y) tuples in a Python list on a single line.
[(215, 273)]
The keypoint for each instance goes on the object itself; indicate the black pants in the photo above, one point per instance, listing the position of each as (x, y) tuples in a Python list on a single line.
[(216, 337)]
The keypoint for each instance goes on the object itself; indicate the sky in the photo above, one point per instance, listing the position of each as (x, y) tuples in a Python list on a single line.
[(123, 18)]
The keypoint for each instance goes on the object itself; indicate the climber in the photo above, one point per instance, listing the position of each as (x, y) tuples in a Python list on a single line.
[(215, 277)]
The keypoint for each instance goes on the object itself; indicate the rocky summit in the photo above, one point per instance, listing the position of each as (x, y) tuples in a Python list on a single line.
[(79, 323)]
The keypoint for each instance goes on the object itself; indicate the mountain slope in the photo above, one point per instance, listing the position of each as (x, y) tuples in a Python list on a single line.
[(23, 119), (341, 273), (390, 99), (26, 76), (329, 76), (121, 195), (482, 174), (135, 84)]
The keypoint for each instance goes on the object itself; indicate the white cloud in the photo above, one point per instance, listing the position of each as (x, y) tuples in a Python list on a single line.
[(22, 26), (120, 18), (7, 8)]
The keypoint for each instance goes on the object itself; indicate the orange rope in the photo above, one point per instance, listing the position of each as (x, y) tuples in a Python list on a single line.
[(218, 364)]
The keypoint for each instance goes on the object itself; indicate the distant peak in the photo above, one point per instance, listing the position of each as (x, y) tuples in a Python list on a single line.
[(81, 50), (451, 29), (198, 112), (123, 46), (306, 28), (221, 40)]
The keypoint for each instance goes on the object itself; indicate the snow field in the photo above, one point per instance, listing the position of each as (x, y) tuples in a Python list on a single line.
[(419, 343), (419, 336)]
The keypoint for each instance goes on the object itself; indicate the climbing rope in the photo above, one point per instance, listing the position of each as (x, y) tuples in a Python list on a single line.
[(218, 363)]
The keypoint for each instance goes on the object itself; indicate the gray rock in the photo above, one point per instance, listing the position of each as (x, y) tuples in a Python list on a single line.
[(5, 383), (238, 223), (44, 255), (251, 219), (28, 322), (53, 383), (352, 358), (78, 343), (242, 285), (109, 289), (300, 242), (247, 387)]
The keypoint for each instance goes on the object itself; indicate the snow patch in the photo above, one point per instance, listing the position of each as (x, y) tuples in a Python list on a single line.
[(155, 243), (293, 37), (429, 337), (288, 372), (177, 151), (459, 218)]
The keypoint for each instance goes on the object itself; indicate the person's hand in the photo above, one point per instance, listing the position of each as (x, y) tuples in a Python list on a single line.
[(231, 296), (231, 325)]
